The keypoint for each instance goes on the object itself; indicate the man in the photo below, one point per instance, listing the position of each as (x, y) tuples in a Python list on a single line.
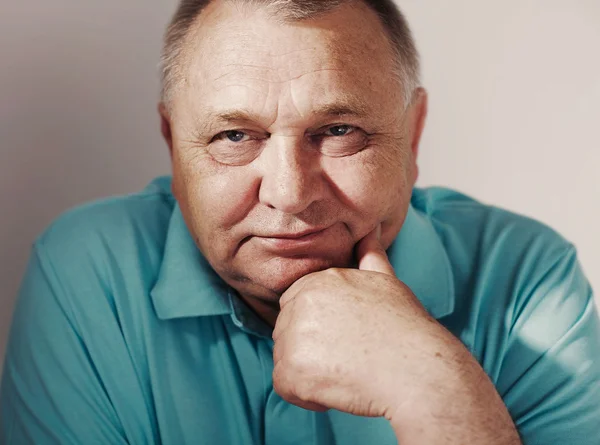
[(289, 285)]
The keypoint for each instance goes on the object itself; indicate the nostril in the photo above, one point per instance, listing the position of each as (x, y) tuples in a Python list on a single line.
[(288, 177)]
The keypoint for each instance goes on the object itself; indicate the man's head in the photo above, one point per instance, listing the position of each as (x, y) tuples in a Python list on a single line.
[(290, 132), (407, 70)]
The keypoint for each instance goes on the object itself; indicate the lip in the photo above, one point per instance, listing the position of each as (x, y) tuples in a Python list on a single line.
[(294, 236), (293, 243)]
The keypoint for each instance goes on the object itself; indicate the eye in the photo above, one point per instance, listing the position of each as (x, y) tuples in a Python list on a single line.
[(236, 147), (340, 140), (232, 135), (339, 130)]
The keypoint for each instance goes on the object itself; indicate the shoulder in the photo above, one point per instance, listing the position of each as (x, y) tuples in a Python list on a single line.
[(517, 281), (489, 234), (83, 313), (503, 263), (117, 232), (110, 219)]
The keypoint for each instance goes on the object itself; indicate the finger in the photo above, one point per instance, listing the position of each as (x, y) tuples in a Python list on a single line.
[(371, 254), (279, 348), (292, 291), (283, 320), (310, 406), (285, 388)]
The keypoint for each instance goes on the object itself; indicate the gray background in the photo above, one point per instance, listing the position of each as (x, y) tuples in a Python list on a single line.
[(514, 112)]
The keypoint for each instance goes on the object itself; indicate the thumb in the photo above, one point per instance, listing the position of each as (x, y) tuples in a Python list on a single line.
[(371, 254)]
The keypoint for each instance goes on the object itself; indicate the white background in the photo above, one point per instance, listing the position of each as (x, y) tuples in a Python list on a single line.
[(514, 112)]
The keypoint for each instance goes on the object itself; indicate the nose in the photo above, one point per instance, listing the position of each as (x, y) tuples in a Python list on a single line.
[(291, 176)]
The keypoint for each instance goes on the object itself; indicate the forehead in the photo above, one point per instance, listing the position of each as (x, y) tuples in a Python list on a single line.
[(244, 53)]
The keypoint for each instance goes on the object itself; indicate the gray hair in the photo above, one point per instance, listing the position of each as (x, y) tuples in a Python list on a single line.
[(395, 25)]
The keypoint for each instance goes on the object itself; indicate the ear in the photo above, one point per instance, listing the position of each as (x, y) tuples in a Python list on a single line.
[(165, 126), (418, 111), (419, 115)]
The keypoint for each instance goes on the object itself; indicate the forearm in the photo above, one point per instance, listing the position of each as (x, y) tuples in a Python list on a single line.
[(454, 403)]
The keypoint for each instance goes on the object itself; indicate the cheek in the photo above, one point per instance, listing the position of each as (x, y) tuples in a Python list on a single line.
[(374, 186), (217, 197)]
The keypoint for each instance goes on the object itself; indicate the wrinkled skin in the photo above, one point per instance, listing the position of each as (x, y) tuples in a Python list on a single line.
[(323, 143)]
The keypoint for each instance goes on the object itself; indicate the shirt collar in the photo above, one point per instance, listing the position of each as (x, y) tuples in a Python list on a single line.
[(421, 262), (187, 286)]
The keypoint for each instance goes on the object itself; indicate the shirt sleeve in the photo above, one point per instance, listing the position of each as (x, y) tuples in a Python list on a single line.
[(550, 374), (51, 392)]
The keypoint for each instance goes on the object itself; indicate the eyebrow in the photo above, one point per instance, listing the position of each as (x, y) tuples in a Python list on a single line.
[(350, 108), (354, 108)]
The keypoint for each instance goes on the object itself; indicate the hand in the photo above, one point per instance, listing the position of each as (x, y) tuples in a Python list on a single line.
[(359, 341), (349, 339)]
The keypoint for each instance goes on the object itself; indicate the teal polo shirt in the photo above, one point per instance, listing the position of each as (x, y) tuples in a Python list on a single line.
[(123, 334)]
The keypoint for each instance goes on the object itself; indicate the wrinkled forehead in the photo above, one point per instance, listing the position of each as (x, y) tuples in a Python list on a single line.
[(231, 42)]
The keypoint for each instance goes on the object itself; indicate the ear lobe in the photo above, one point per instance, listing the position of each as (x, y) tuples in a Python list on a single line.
[(165, 126), (415, 173)]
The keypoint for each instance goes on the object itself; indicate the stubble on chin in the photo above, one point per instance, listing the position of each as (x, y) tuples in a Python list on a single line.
[(274, 277)]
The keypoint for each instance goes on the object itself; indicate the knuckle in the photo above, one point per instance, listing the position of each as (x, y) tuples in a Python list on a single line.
[(295, 361), (304, 389), (336, 272), (299, 365)]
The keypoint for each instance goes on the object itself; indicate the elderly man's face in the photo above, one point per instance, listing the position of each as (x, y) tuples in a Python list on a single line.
[(290, 143)]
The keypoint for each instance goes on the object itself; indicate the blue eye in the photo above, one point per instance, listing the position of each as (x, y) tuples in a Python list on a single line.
[(234, 135), (339, 130)]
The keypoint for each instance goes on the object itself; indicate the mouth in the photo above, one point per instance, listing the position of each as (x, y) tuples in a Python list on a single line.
[(293, 243), (294, 236)]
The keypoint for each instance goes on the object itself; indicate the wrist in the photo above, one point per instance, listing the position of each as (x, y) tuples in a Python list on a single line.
[(445, 375), (453, 402)]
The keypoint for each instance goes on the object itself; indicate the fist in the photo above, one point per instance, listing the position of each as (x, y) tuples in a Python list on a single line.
[(343, 336)]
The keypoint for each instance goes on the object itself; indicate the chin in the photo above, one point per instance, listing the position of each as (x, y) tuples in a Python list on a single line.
[(277, 274)]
